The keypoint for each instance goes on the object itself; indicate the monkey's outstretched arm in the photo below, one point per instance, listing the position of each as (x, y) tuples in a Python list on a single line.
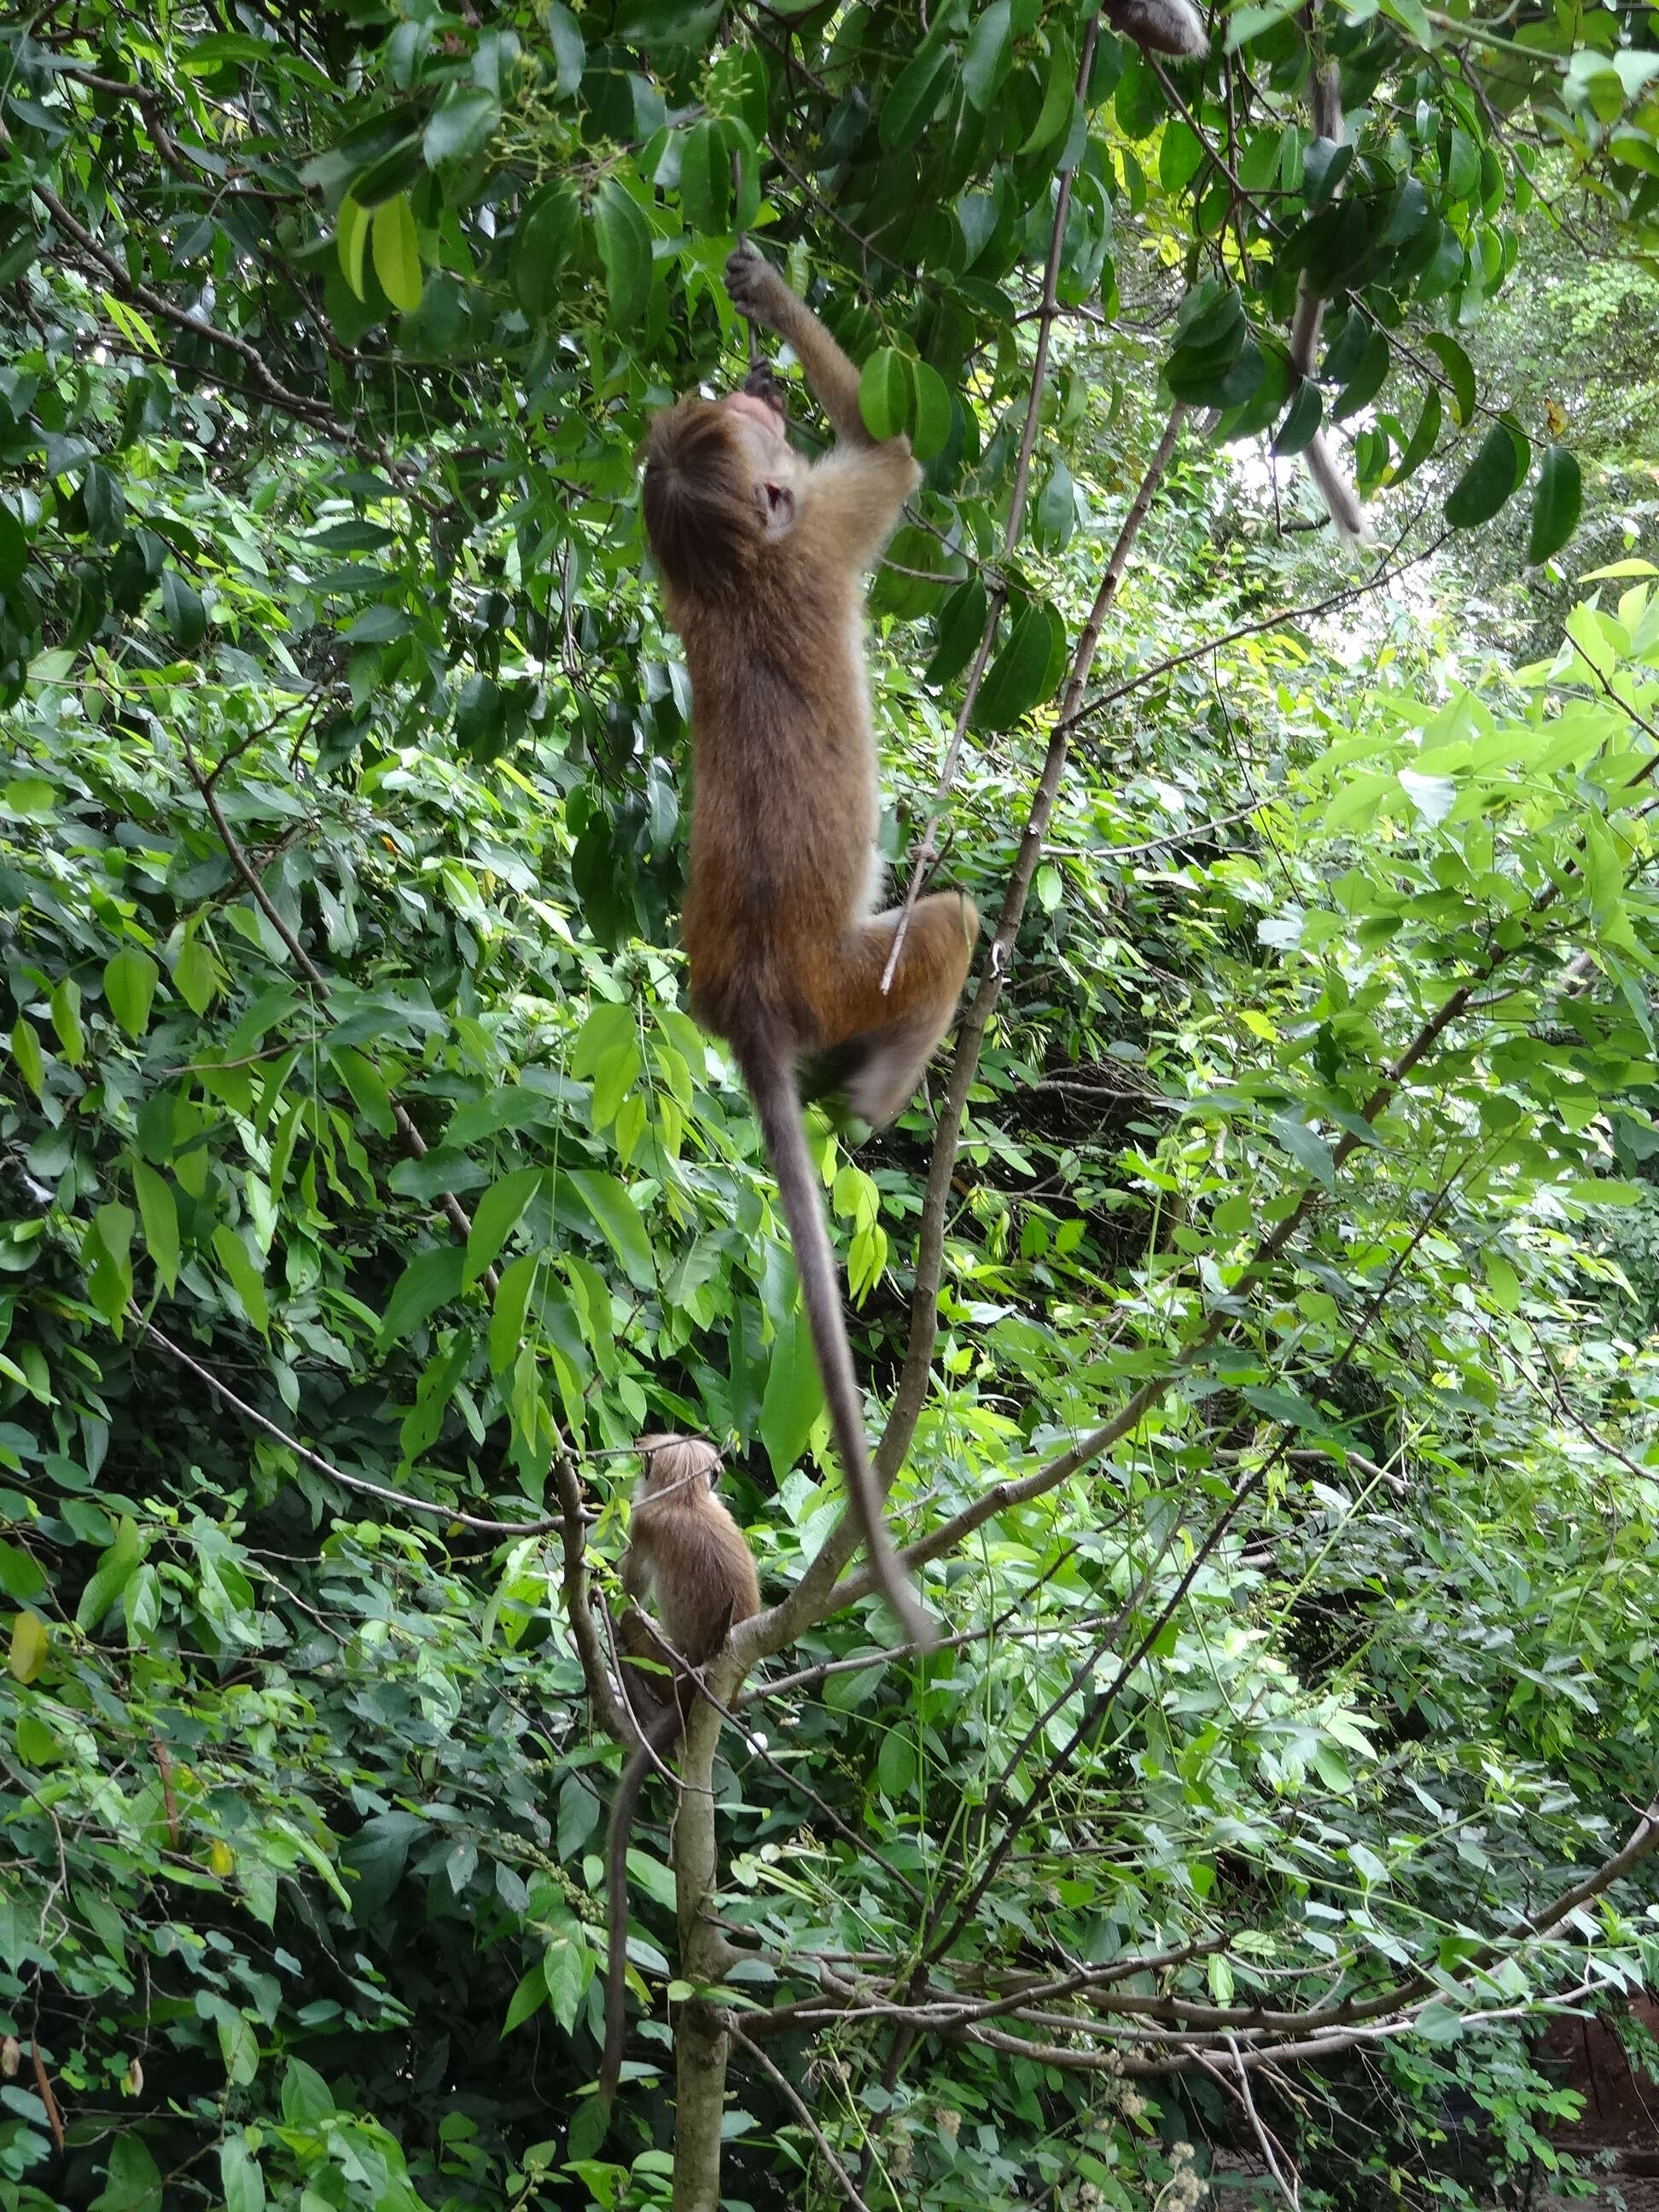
[(760, 292)]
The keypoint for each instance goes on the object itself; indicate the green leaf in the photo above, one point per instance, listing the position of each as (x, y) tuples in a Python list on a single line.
[(367, 1087), (1058, 96), (1423, 438), (105, 1251), (526, 2000), (241, 2178), (795, 1395), (160, 1216), (1014, 684), (1306, 1146), (350, 241), (246, 1278), (565, 39), (610, 1205), (911, 97), (1503, 1282), (1556, 505), (506, 1322), (624, 240), (66, 1019), (26, 1051), (194, 976), (542, 244), (961, 625), (494, 1218), (186, 617), (1459, 371), (706, 180), (305, 2096), (134, 2180), (1486, 483), (931, 428), (431, 1279), (1366, 381), (567, 1968), (377, 1855), (238, 2047), (990, 57), (397, 252), (20, 1576), (130, 986), (13, 546), (112, 1575), (886, 393), (104, 503), (460, 125)]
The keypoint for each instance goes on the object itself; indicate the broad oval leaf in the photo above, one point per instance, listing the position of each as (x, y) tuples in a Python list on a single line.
[(932, 427), (130, 986), (397, 252), (1017, 674), (706, 180), (1486, 483), (547, 231), (612, 1207), (187, 617), (1556, 504), (990, 57), (886, 393), (624, 239), (960, 626)]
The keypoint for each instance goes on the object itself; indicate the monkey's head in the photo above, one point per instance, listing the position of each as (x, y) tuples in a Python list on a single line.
[(690, 1465), (720, 478)]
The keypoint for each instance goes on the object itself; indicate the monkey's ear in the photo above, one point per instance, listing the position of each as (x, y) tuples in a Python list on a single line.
[(777, 502)]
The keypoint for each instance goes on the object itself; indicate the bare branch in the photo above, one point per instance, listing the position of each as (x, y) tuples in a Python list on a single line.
[(924, 851), (449, 1514)]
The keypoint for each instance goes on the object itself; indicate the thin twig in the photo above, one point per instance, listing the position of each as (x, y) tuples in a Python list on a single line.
[(447, 1513), (925, 849), (792, 2096)]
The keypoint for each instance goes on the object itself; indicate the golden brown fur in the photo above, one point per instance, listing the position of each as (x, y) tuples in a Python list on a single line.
[(786, 956), (688, 1555)]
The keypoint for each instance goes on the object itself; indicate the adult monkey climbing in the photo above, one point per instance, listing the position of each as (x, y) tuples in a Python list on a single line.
[(762, 555)]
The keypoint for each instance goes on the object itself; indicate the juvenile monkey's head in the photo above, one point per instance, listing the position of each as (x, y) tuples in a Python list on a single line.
[(719, 486), (687, 1466)]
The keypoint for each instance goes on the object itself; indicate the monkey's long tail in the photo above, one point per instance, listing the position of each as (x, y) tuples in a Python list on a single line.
[(777, 1102), (658, 1735), (1341, 501)]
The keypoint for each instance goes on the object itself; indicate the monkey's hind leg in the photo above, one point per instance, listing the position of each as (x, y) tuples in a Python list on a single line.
[(884, 1040)]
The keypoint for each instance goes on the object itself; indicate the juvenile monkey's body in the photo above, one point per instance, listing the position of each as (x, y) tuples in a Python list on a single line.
[(688, 1555), (762, 559)]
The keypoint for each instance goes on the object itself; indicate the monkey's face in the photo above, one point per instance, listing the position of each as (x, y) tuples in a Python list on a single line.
[(757, 430)]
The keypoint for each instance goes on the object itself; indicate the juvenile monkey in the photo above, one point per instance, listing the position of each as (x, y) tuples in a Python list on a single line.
[(688, 1554), (763, 557), (1339, 495)]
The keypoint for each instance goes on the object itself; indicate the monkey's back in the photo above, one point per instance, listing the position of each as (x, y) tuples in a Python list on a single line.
[(784, 812), (711, 1563)]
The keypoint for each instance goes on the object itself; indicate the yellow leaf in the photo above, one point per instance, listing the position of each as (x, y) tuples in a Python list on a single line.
[(29, 1638)]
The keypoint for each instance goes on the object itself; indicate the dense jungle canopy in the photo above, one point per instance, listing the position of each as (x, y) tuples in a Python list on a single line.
[(1255, 1306)]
